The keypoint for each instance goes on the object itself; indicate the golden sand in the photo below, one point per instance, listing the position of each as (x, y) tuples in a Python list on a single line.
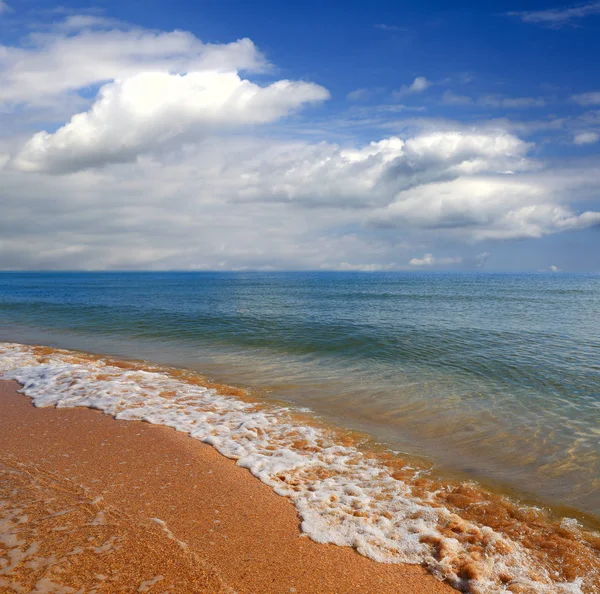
[(91, 504)]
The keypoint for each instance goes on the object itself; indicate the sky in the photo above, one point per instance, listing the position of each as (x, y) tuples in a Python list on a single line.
[(357, 136)]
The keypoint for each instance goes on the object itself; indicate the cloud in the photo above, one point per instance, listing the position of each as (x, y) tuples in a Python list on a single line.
[(492, 101), (242, 202), (78, 22), (451, 98), (147, 111), (419, 85), (177, 157), (4, 7), (511, 102), (592, 98), (558, 17), (430, 260), (586, 138), (169, 214), (359, 95), (484, 207), (554, 268), (326, 175), (48, 65)]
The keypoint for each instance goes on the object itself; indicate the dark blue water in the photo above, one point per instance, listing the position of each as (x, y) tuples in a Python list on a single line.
[(493, 375)]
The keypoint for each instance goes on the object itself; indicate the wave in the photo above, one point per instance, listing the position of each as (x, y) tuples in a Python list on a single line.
[(383, 506)]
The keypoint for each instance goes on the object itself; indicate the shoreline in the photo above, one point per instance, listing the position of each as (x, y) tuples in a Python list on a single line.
[(454, 468), (375, 503), (102, 504)]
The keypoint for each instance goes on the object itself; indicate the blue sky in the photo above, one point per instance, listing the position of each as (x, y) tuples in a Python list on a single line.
[(313, 135)]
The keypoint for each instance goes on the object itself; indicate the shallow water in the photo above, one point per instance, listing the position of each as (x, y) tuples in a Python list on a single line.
[(493, 376)]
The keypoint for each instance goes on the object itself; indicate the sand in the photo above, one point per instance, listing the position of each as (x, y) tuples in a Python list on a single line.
[(92, 504)]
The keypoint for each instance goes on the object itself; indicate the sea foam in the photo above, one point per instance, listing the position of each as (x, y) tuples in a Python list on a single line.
[(343, 495)]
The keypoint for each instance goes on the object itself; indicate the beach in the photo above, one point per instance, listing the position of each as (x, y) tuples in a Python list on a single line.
[(318, 486), (92, 504)]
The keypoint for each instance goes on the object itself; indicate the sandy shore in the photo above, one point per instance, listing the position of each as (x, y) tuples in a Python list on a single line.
[(91, 504)]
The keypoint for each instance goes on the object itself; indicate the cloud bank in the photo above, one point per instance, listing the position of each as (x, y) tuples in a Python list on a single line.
[(158, 150)]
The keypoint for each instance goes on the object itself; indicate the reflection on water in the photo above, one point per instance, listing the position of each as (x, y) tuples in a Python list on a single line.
[(496, 376)]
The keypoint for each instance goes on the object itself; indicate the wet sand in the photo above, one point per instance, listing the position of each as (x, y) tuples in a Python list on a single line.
[(92, 504)]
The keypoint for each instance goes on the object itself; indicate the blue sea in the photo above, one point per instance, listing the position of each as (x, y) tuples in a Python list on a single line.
[(491, 377)]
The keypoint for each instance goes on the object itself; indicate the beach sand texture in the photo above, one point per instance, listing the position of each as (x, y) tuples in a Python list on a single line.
[(92, 504)]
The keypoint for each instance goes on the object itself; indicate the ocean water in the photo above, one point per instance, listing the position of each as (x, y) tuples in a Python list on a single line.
[(488, 377), (495, 376)]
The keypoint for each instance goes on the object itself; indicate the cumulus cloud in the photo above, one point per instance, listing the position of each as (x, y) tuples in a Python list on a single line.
[(482, 208), (591, 98), (326, 175), (430, 260), (558, 17), (163, 165), (50, 64), (149, 110), (586, 138), (241, 202)]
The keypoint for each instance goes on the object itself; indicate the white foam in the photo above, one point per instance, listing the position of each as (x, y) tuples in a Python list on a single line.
[(342, 496)]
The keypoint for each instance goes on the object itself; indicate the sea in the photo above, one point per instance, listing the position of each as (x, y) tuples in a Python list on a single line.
[(474, 383)]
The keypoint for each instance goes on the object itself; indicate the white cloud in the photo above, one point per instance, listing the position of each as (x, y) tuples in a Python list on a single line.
[(77, 22), (483, 207), (149, 110), (359, 95), (326, 175), (418, 85), (4, 7), (586, 138), (554, 268), (511, 102), (236, 202), (430, 260), (166, 167), (50, 64), (591, 98), (557, 17)]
